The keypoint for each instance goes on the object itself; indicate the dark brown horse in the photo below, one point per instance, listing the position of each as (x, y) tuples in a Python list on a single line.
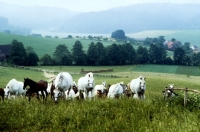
[(2, 93), (35, 87)]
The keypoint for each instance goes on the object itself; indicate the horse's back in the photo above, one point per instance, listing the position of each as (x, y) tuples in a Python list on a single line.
[(134, 85), (81, 83), (68, 80)]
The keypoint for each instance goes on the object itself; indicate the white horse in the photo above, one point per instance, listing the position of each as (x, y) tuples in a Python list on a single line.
[(100, 87), (62, 82), (138, 87), (86, 84), (14, 87), (116, 90)]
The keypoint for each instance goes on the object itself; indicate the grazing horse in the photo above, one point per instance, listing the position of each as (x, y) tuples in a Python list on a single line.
[(2, 93), (86, 84), (100, 90), (116, 90), (14, 87), (170, 92), (35, 87), (138, 87), (62, 82)]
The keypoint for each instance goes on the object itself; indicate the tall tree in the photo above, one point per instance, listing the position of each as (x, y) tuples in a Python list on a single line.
[(114, 54), (17, 53), (179, 54), (130, 53), (79, 56), (196, 59), (62, 55), (142, 55), (92, 54), (101, 53), (46, 60), (119, 34), (31, 57)]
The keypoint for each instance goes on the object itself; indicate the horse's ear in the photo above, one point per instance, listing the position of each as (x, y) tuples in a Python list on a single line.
[(144, 78)]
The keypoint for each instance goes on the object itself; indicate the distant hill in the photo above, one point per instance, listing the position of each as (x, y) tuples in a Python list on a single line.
[(35, 17), (131, 19), (136, 18)]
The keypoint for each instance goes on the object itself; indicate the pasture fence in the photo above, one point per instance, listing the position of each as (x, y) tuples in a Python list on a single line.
[(186, 90)]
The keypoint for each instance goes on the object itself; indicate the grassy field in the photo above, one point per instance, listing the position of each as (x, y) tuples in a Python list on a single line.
[(43, 45), (152, 114), (183, 36)]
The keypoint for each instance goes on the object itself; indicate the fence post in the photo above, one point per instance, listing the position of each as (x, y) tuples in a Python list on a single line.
[(185, 97)]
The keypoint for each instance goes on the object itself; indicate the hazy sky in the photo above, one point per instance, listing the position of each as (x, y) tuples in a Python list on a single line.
[(91, 5)]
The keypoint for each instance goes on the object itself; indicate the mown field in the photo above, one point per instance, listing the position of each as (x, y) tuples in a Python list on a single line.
[(152, 114)]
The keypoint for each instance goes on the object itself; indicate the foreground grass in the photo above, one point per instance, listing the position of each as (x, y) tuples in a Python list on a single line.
[(97, 115)]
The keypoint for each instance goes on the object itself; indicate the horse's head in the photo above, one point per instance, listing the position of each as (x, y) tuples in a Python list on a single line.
[(90, 81), (6, 92), (142, 85), (26, 82), (104, 84), (56, 93), (75, 88), (171, 85)]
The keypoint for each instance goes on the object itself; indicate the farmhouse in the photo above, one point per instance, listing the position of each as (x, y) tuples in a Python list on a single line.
[(4, 51), (172, 45)]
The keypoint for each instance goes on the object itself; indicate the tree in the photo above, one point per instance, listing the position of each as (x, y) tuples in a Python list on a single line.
[(101, 54), (119, 34), (179, 54), (90, 37), (78, 55), (114, 54), (31, 57), (91, 54), (69, 36), (196, 59), (17, 53), (157, 52), (142, 55), (46, 60), (62, 55)]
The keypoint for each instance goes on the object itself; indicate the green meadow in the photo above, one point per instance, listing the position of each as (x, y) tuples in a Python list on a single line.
[(183, 36), (153, 114), (42, 45)]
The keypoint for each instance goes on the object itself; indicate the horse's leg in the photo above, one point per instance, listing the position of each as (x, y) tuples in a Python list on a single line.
[(37, 95), (43, 95)]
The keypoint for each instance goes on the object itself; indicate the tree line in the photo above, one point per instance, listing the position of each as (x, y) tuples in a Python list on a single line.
[(97, 54)]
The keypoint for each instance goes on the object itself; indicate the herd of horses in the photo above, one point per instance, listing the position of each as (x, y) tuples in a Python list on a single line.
[(63, 85)]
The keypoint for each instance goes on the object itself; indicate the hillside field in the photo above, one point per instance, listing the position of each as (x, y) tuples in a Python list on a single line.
[(183, 36), (43, 45), (152, 114)]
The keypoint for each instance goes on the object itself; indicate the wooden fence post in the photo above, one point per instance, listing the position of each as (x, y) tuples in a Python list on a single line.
[(185, 97)]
